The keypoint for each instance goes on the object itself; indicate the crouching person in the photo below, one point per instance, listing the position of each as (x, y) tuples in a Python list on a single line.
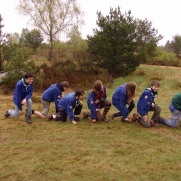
[(70, 105), (97, 99), (22, 96), (146, 104), (175, 109)]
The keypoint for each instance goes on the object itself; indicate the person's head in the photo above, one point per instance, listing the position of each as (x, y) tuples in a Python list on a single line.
[(79, 93), (155, 85), (97, 87), (130, 90), (65, 85), (28, 77)]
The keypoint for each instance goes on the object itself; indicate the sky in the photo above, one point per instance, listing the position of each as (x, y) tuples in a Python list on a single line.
[(165, 15)]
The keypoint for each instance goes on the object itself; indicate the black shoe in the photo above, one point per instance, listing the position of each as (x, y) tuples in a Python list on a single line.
[(76, 118), (50, 117), (6, 115), (28, 120)]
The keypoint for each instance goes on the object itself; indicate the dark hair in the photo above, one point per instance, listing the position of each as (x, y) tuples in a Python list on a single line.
[(28, 75), (65, 84), (155, 82), (79, 92)]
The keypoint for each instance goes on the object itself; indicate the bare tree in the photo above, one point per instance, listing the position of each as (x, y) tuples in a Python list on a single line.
[(52, 17)]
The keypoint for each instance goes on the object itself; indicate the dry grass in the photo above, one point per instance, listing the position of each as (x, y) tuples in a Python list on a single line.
[(54, 151)]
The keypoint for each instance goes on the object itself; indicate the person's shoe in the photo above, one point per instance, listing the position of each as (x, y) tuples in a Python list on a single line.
[(111, 117), (126, 121), (154, 124), (50, 117), (6, 115), (134, 118), (28, 120), (76, 118), (86, 114), (104, 119)]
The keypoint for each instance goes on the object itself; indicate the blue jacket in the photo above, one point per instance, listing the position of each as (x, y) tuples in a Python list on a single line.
[(68, 103), (22, 91), (91, 102), (145, 101), (119, 100), (53, 94)]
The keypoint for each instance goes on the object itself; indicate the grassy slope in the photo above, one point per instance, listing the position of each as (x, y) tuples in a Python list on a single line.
[(47, 151)]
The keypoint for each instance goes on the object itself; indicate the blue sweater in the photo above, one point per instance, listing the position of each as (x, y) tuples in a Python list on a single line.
[(68, 103), (22, 91), (145, 101), (91, 102), (119, 100), (53, 94)]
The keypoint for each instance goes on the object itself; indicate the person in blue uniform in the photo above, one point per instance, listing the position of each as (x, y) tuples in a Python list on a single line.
[(53, 94), (22, 96), (70, 105)]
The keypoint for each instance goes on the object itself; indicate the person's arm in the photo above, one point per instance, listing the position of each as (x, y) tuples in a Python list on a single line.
[(70, 107), (93, 105), (57, 97), (145, 102)]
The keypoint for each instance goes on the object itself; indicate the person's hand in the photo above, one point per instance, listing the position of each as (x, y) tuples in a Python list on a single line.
[(20, 112), (97, 101), (94, 120), (152, 105), (74, 122), (23, 101)]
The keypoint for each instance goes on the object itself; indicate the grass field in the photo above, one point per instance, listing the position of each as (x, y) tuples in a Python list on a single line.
[(113, 151)]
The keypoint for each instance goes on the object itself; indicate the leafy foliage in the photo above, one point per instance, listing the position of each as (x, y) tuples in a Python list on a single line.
[(32, 39), (176, 44), (121, 42), (17, 62)]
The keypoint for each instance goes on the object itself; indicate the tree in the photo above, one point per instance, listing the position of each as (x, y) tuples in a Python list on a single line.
[(121, 42), (32, 39), (74, 35), (17, 61), (114, 44), (52, 17), (176, 44), (13, 38), (148, 38)]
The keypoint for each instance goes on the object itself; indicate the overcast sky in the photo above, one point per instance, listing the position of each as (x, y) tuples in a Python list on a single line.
[(165, 15)]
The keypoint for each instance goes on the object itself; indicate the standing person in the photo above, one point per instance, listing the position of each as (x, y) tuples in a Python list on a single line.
[(146, 104), (22, 96), (66, 107), (96, 101), (52, 94), (122, 97), (175, 109)]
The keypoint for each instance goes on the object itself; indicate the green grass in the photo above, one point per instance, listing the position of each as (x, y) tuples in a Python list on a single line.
[(54, 151)]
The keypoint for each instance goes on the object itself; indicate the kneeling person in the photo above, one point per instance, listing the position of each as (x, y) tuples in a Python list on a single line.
[(67, 105)]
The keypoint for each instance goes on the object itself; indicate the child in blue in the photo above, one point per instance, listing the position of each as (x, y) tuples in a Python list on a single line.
[(22, 96), (122, 97), (66, 107), (96, 101), (146, 103), (52, 94)]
